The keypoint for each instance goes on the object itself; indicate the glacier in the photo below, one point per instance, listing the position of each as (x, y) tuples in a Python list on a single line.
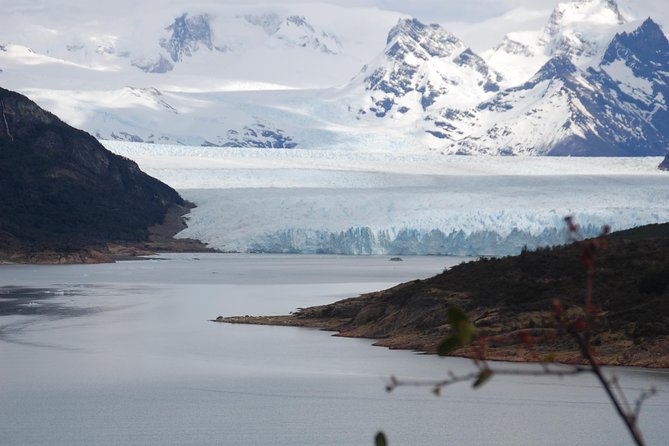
[(402, 203)]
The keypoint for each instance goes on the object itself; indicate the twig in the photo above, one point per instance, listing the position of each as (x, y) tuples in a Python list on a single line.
[(629, 419), (546, 370)]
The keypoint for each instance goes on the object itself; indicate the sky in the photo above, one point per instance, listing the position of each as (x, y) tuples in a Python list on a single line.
[(466, 11), (467, 18), (480, 23)]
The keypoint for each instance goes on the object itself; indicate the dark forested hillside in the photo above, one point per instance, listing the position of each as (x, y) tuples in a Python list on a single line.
[(61, 189)]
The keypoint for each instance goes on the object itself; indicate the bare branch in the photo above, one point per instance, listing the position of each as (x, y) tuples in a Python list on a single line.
[(629, 419), (642, 399), (546, 370)]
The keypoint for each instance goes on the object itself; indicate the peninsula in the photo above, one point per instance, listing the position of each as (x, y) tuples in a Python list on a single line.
[(510, 300)]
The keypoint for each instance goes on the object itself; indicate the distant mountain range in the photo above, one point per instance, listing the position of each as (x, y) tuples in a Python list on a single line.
[(593, 81)]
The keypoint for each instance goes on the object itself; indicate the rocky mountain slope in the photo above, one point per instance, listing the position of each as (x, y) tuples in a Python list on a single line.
[(664, 165), (616, 108), (424, 67), (61, 190), (510, 301), (577, 30)]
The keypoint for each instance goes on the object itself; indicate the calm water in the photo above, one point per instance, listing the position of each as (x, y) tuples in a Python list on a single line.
[(124, 354)]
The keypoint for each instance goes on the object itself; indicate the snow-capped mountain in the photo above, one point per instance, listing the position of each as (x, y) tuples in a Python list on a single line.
[(579, 30), (580, 101), (187, 35), (424, 67), (296, 31), (592, 81), (205, 74), (423, 71), (196, 45), (617, 108)]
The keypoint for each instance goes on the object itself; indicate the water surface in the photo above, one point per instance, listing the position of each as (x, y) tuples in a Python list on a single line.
[(125, 354)]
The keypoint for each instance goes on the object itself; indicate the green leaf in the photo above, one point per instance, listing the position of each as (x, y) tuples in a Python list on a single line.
[(459, 321), (484, 376), (456, 315), (380, 439), (466, 331), (448, 345)]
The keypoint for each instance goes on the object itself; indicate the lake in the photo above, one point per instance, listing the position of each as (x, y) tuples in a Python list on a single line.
[(125, 354)]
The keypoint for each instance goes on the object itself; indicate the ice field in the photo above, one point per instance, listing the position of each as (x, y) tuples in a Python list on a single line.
[(350, 202)]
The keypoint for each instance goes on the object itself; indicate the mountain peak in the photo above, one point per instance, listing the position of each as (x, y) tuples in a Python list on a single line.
[(295, 30), (650, 27), (410, 27), (187, 34), (593, 12), (556, 68), (570, 27), (580, 30), (646, 44), (424, 67), (424, 41)]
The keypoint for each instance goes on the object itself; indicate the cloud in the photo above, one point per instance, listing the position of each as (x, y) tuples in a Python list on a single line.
[(519, 19)]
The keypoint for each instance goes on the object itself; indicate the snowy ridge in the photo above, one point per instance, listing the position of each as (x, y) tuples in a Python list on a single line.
[(171, 43), (617, 107), (252, 200), (423, 71), (579, 30), (591, 82)]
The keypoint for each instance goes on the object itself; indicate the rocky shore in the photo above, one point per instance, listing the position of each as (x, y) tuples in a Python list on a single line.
[(615, 350)]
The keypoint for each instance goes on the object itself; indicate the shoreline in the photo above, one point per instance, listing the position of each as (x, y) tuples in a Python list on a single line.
[(615, 354), (160, 240), (512, 303)]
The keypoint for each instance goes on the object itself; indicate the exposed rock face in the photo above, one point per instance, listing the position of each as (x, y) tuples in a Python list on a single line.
[(61, 189), (148, 65), (259, 137), (664, 165), (297, 31), (188, 33)]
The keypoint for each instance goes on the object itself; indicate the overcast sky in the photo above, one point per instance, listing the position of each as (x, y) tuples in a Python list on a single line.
[(471, 11), (454, 10), (494, 17), (479, 23)]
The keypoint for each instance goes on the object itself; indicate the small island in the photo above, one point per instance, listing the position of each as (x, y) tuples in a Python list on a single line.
[(509, 299)]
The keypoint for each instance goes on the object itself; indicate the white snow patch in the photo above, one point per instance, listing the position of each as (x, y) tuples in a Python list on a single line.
[(630, 84)]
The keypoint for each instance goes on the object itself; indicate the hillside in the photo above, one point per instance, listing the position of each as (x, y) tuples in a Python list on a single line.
[(506, 297), (60, 190)]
